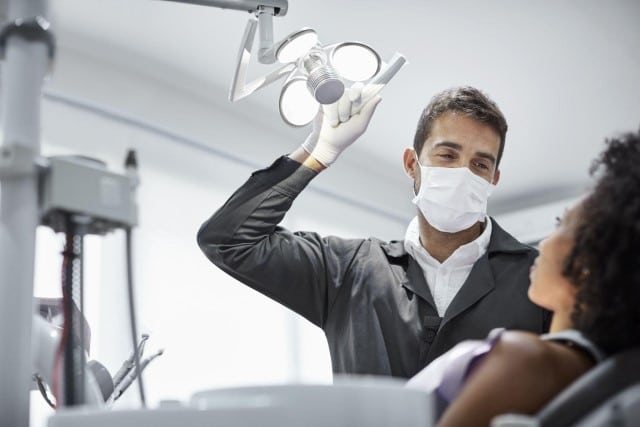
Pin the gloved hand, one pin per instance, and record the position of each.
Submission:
(312, 139)
(339, 124)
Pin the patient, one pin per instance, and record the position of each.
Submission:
(588, 274)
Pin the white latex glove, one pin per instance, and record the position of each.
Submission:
(312, 139)
(339, 124)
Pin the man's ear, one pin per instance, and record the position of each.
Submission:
(496, 177)
(409, 162)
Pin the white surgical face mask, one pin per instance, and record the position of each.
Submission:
(452, 199)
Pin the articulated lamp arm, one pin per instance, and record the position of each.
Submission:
(239, 87)
(279, 6)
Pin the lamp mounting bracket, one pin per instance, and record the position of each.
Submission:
(279, 7)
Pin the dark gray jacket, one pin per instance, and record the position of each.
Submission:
(370, 297)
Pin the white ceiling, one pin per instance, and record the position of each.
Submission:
(565, 73)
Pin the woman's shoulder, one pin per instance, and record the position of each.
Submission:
(520, 374)
(529, 355)
(523, 348)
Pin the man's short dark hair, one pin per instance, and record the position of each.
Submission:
(467, 101)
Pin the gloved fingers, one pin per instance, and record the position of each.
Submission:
(330, 112)
(344, 108)
(355, 92)
(370, 90)
(316, 124)
(312, 139)
(367, 93)
(370, 107)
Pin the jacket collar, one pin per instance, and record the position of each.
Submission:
(414, 281)
(481, 280)
(500, 241)
(412, 277)
(394, 249)
(479, 283)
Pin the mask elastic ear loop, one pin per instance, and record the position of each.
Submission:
(417, 159)
(419, 165)
(415, 193)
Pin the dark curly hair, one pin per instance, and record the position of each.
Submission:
(465, 100)
(605, 260)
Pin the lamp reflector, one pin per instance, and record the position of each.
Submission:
(297, 106)
(323, 81)
(325, 85)
(355, 61)
(296, 45)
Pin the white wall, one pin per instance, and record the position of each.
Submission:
(533, 224)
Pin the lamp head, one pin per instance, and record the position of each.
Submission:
(302, 48)
(322, 80)
(316, 74)
(355, 61)
(297, 106)
(296, 45)
(326, 71)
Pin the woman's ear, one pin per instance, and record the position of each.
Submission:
(409, 162)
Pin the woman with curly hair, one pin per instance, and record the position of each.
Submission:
(588, 275)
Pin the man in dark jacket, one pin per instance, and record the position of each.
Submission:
(388, 308)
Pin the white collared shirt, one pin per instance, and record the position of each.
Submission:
(445, 279)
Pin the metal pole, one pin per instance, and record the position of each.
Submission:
(24, 68)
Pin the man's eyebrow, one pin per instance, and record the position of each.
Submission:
(449, 144)
(487, 156)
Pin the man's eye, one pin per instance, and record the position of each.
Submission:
(446, 156)
(482, 166)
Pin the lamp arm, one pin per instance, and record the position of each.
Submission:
(280, 6)
(239, 87)
(266, 53)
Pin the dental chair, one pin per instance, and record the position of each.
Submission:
(607, 395)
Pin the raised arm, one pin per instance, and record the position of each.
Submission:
(301, 270)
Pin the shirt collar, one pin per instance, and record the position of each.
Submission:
(465, 255)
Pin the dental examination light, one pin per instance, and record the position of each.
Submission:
(315, 74)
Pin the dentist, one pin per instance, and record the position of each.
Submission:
(388, 308)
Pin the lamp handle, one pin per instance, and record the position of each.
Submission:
(380, 80)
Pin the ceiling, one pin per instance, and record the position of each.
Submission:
(565, 73)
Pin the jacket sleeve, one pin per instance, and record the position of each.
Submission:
(301, 270)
